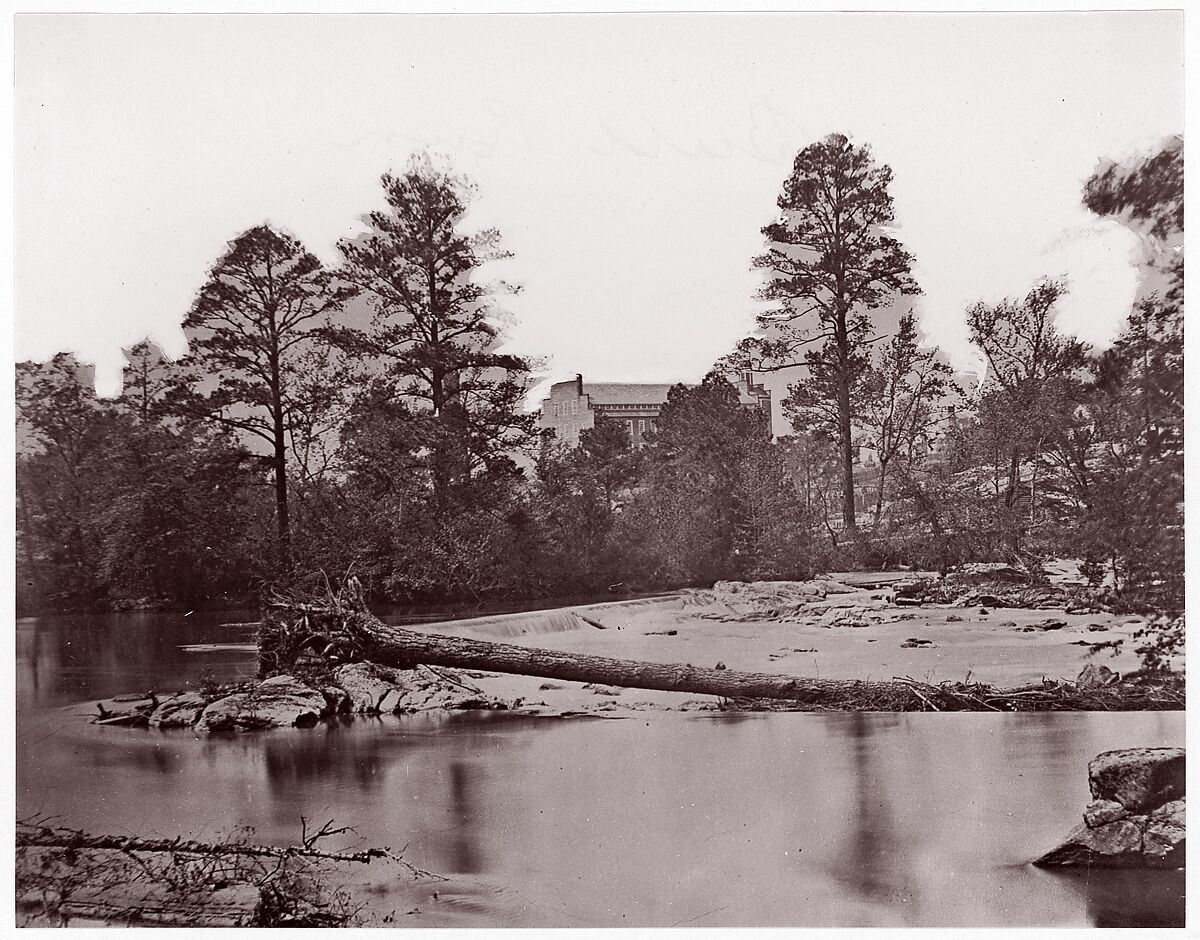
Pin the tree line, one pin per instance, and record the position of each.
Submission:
(363, 417)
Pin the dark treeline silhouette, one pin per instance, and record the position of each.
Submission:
(363, 417)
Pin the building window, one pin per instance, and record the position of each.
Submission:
(630, 426)
(641, 425)
(575, 407)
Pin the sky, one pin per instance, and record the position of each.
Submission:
(629, 161)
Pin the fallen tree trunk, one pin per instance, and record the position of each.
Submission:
(342, 629)
(395, 646)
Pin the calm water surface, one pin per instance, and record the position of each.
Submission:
(655, 820)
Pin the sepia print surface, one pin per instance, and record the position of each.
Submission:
(641, 470)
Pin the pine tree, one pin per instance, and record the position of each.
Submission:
(266, 304)
(831, 260)
(434, 331)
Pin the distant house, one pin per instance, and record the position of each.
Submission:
(572, 406)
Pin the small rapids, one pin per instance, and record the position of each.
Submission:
(539, 622)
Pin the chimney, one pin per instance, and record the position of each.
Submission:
(579, 384)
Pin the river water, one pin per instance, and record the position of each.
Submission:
(660, 819)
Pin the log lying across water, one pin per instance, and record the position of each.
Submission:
(343, 629)
(395, 646)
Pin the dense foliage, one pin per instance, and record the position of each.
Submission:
(364, 417)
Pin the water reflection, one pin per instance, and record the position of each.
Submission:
(866, 864)
(771, 820)
(1117, 898)
(326, 756)
(464, 836)
(34, 658)
(735, 718)
(784, 820)
(88, 656)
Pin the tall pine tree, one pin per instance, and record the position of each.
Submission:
(830, 261)
(266, 303)
(434, 329)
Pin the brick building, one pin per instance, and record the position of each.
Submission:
(572, 406)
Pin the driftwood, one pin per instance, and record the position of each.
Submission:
(64, 875)
(156, 915)
(340, 628)
(46, 837)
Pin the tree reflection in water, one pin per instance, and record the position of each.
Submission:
(413, 776)
(867, 863)
(464, 840)
(328, 754)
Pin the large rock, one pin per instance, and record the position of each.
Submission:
(423, 688)
(1140, 779)
(366, 683)
(375, 689)
(1133, 842)
(280, 701)
(844, 617)
(1113, 845)
(1096, 676)
(911, 589)
(181, 711)
(1137, 818)
(1164, 838)
(1100, 812)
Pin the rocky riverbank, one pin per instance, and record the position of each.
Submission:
(290, 701)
